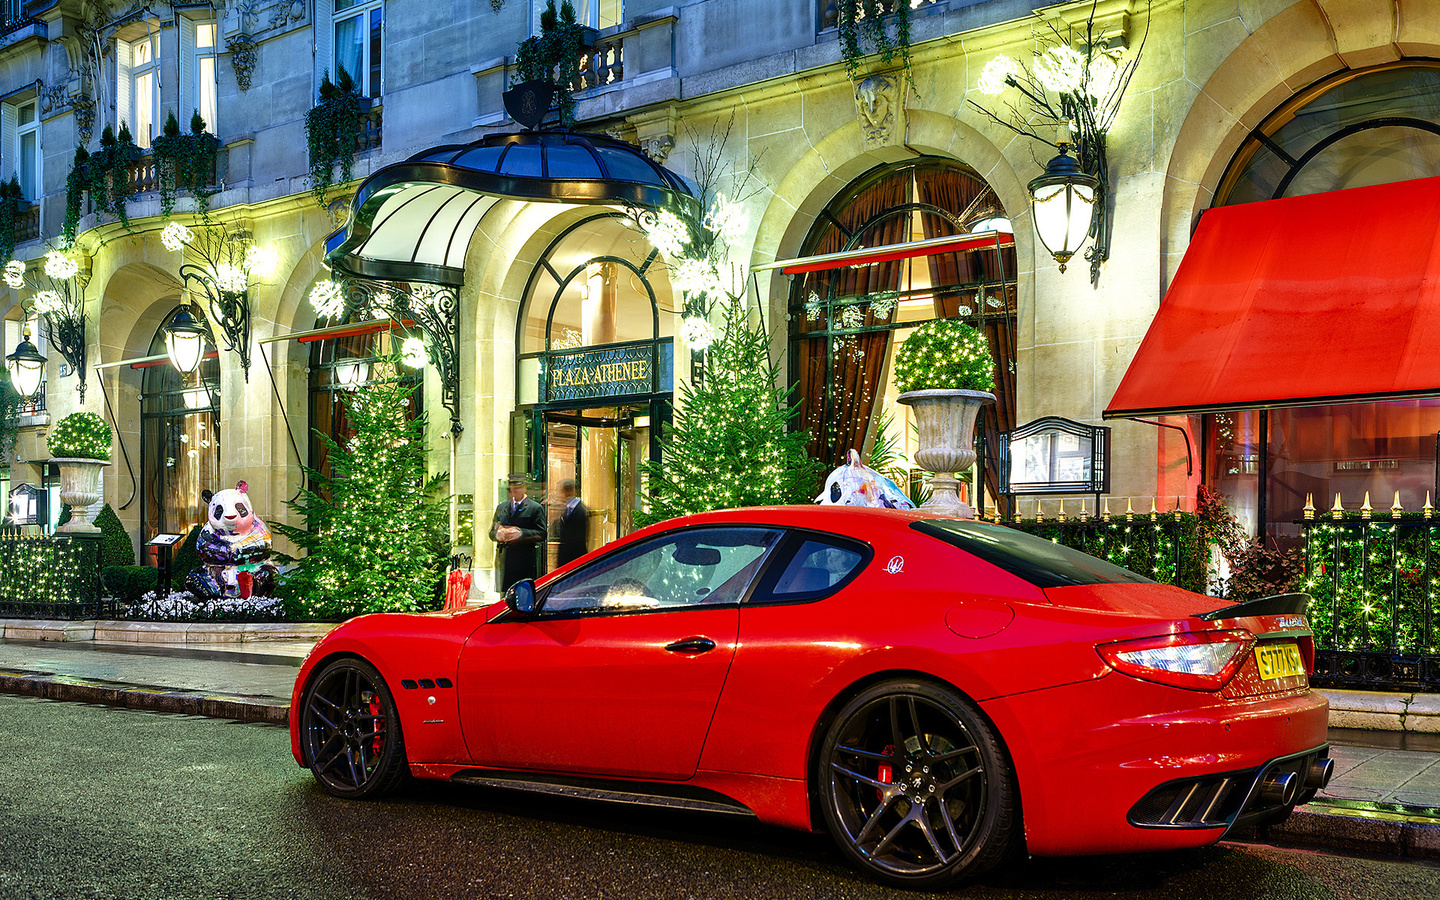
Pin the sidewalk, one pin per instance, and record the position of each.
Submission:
(1384, 797)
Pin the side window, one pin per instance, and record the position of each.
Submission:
(695, 567)
(815, 568)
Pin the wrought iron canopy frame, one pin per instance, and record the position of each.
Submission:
(435, 310)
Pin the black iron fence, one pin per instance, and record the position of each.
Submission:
(50, 576)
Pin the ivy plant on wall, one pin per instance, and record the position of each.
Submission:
(76, 184)
(108, 173)
(10, 201)
(331, 128)
(553, 55)
(863, 32)
(185, 162)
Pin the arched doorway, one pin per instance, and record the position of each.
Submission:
(179, 439)
(595, 372)
(845, 323)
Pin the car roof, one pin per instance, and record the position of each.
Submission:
(839, 519)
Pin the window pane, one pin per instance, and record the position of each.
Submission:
(143, 51)
(376, 31)
(205, 35)
(610, 13)
(1035, 559)
(205, 93)
(346, 4)
(709, 567)
(144, 109)
(817, 567)
(27, 165)
(349, 47)
(26, 114)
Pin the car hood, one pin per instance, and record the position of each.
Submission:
(1159, 601)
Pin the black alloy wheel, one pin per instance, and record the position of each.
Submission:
(349, 731)
(916, 787)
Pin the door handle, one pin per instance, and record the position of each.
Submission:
(692, 645)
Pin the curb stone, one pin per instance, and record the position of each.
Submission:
(155, 699)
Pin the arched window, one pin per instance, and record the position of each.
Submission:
(846, 323)
(1354, 129)
(339, 365)
(179, 440)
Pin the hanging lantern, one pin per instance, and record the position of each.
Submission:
(26, 367)
(352, 373)
(185, 341)
(1064, 203)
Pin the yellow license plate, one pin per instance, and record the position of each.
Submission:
(1279, 660)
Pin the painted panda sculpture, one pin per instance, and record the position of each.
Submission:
(233, 544)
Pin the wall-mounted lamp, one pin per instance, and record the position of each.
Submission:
(228, 264)
(1064, 203)
(26, 367)
(185, 340)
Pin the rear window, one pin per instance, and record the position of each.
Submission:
(1042, 563)
(816, 567)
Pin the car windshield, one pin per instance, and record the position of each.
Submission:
(1041, 562)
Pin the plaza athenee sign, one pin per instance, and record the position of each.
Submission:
(615, 371)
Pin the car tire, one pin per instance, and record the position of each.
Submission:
(916, 787)
(350, 732)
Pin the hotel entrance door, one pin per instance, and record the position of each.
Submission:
(603, 449)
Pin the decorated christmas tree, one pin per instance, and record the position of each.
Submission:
(375, 536)
(730, 444)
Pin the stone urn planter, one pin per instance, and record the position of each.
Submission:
(946, 422)
(79, 488)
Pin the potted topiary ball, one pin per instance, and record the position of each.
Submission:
(80, 448)
(945, 373)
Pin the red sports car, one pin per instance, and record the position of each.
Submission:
(931, 691)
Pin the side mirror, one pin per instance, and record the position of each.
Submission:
(521, 597)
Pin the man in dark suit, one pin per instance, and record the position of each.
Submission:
(574, 524)
(519, 525)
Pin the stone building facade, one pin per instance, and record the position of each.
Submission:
(669, 77)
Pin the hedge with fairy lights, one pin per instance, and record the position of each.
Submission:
(1372, 581)
(944, 354)
(45, 570)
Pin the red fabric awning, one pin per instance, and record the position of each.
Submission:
(869, 256)
(1326, 298)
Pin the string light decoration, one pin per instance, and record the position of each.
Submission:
(377, 529)
(56, 576)
(730, 444)
(944, 353)
(80, 435)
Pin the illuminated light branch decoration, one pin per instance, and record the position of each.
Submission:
(1068, 97)
(225, 263)
(697, 251)
(433, 309)
(59, 301)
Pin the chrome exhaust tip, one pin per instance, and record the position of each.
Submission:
(1319, 773)
(1280, 788)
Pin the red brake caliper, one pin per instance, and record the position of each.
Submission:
(885, 773)
(379, 740)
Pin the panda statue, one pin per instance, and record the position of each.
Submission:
(233, 545)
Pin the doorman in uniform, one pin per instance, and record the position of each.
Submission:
(518, 527)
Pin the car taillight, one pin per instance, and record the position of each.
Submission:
(1199, 660)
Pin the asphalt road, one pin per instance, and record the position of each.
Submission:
(101, 802)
